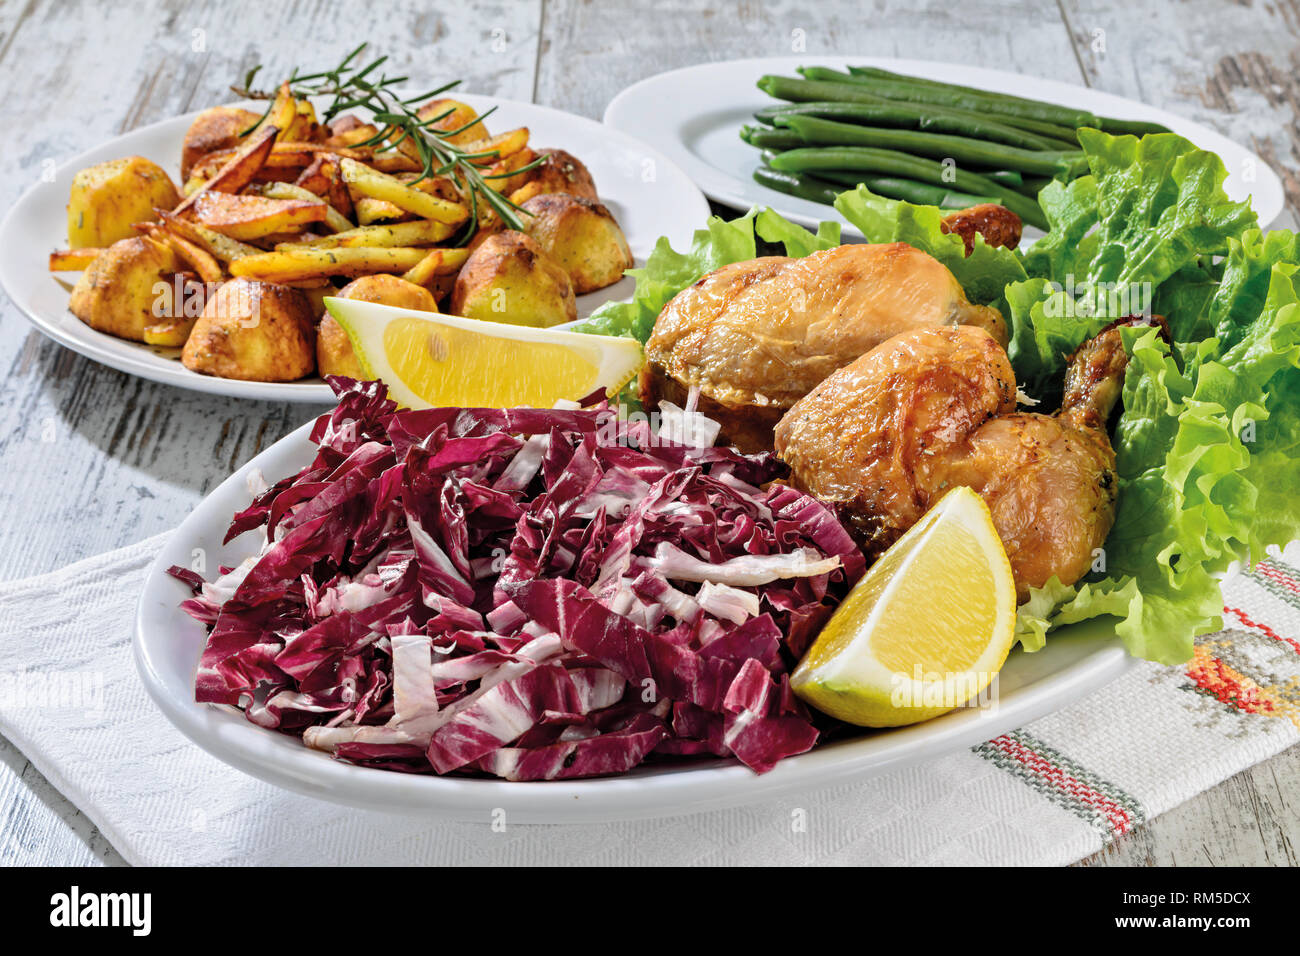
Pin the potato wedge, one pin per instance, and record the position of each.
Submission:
(504, 177)
(73, 260)
(221, 247)
(348, 131)
(107, 199)
(308, 263)
(333, 218)
(418, 232)
(128, 287)
(510, 278)
(248, 217)
(324, 178)
(494, 148)
(237, 171)
(582, 236)
(218, 128)
(253, 331)
(373, 184)
(460, 119)
(282, 113)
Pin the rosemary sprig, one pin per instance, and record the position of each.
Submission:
(359, 87)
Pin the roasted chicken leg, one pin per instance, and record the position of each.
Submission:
(757, 336)
(884, 438)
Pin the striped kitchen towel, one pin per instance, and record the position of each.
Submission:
(1051, 792)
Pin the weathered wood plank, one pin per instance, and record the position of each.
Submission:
(591, 51)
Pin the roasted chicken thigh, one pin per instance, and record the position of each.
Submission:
(887, 435)
(757, 336)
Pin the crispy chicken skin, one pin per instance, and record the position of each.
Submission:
(997, 224)
(885, 437)
(757, 336)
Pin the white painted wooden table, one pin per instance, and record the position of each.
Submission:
(129, 458)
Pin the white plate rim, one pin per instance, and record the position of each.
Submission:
(286, 762)
(629, 109)
(690, 210)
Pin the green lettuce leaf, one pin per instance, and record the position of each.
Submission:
(1208, 441)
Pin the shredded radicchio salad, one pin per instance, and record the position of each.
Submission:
(523, 593)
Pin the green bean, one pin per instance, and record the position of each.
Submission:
(909, 190)
(893, 163)
(913, 116)
(961, 97)
(766, 138)
(1007, 177)
(816, 131)
(1106, 123)
(804, 187)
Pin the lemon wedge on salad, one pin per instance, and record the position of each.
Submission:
(925, 630)
(429, 360)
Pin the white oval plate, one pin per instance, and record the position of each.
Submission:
(647, 193)
(695, 114)
(168, 644)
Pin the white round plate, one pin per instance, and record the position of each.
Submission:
(647, 193)
(168, 644)
(694, 115)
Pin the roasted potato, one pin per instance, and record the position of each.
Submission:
(127, 287)
(109, 198)
(334, 355)
(582, 236)
(510, 278)
(455, 116)
(212, 130)
(253, 331)
(560, 172)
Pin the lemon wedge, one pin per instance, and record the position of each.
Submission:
(925, 630)
(429, 360)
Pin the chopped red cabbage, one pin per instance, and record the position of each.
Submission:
(532, 594)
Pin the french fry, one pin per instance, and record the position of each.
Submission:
(237, 172)
(282, 114)
(498, 147)
(249, 217)
(333, 218)
(202, 261)
(418, 232)
(376, 185)
(221, 247)
(72, 260)
(370, 211)
(438, 262)
(294, 265)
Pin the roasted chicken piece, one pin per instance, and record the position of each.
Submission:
(757, 336)
(997, 224)
(884, 437)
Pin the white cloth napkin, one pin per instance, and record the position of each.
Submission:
(1049, 793)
